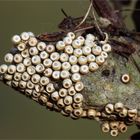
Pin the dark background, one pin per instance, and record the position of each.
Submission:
(20, 117)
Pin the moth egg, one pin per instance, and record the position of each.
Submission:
(91, 113)
(76, 43)
(122, 127)
(123, 113)
(24, 36)
(60, 103)
(84, 114)
(25, 53)
(44, 55)
(93, 66)
(100, 60)
(90, 37)
(47, 63)
(68, 49)
(104, 54)
(75, 68)
(90, 58)
(106, 48)
(68, 109)
(49, 105)
(105, 127)
(76, 77)
(78, 112)
(55, 96)
(125, 78)
(132, 112)
(55, 56)
(44, 80)
(118, 107)
(64, 74)
(35, 78)
(62, 92)
(38, 87)
(28, 92)
(71, 35)
(64, 57)
(8, 77)
(16, 39)
(109, 108)
(73, 59)
(30, 85)
(25, 76)
(50, 48)
(67, 83)
(86, 50)
(3, 68)
(21, 46)
(17, 76)
(27, 61)
(15, 84)
(18, 58)
(77, 105)
(71, 91)
(50, 88)
(32, 41)
(89, 43)
(66, 66)
(20, 68)
(40, 68)
(11, 69)
(73, 116)
(31, 34)
(41, 46)
(31, 70)
(79, 86)
(22, 84)
(60, 45)
(48, 72)
(56, 75)
(67, 40)
(114, 124)
(82, 60)
(68, 100)
(33, 51)
(8, 58)
(43, 99)
(78, 52)
(36, 60)
(78, 98)
(56, 65)
(96, 50)
(114, 132)
(82, 39)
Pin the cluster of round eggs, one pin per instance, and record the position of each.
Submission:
(121, 118)
(50, 73)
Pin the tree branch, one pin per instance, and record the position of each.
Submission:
(104, 9)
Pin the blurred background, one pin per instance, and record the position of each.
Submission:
(20, 117)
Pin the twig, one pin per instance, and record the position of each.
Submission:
(96, 24)
(104, 9)
(62, 10)
(129, 10)
(85, 17)
(82, 29)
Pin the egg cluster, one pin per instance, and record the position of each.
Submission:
(121, 118)
(50, 73)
